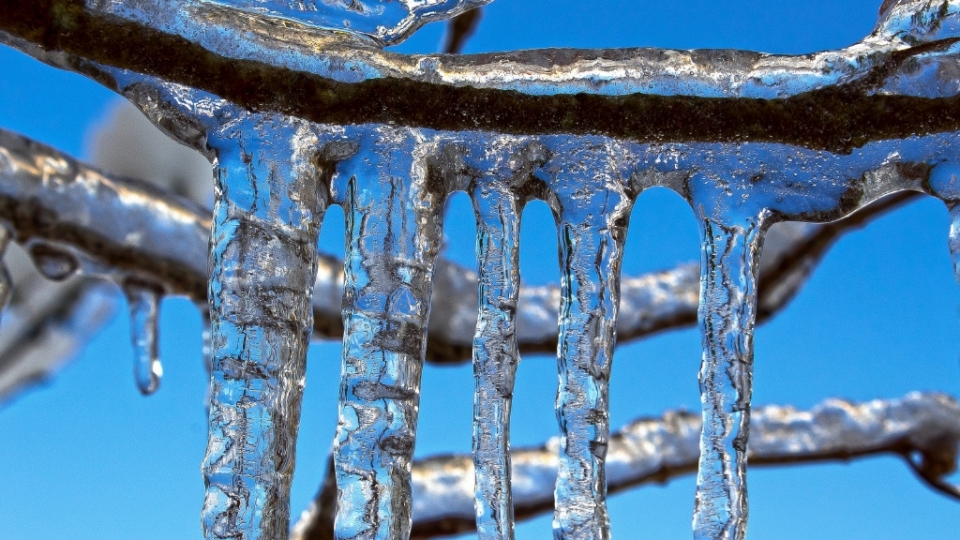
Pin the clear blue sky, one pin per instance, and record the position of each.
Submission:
(86, 457)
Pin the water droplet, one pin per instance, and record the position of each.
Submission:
(55, 264)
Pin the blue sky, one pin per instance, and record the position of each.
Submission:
(86, 456)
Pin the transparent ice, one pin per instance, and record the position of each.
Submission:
(144, 303)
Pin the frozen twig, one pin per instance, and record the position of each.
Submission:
(923, 428)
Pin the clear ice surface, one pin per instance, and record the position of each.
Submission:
(393, 231)
(263, 265)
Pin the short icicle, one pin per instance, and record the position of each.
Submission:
(592, 227)
(728, 295)
(263, 262)
(144, 302)
(954, 240)
(495, 355)
(944, 183)
(392, 239)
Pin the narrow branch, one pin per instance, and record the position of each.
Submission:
(922, 427)
(50, 200)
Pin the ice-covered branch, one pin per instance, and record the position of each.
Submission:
(923, 428)
(72, 218)
(49, 199)
(893, 84)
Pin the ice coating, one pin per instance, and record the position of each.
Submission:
(592, 208)
(495, 352)
(263, 265)
(393, 230)
(384, 20)
(144, 303)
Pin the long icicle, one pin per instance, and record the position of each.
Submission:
(263, 261)
(495, 356)
(728, 295)
(592, 229)
(393, 236)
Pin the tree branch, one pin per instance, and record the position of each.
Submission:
(923, 428)
(835, 101)
(55, 205)
(460, 29)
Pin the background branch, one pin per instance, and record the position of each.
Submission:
(60, 208)
(923, 428)
(460, 28)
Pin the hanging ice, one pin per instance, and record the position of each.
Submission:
(945, 183)
(496, 206)
(393, 219)
(144, 304)
(263, 264)
(592, 206)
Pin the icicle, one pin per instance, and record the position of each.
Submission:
(728, 289)
(954, 241)
(944, 183)
(392, 238)
(263, 253)
(592, 227)
(495, 356)
(144, 302)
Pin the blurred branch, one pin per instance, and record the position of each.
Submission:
(923, 428)
(460, 29)
(56, 206)
(46, 323)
